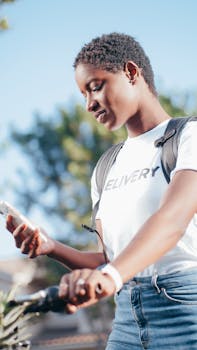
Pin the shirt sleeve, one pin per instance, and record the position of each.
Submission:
(187, 150)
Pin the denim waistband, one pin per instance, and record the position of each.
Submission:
(156, 278)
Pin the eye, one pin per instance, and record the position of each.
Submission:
(96, 86)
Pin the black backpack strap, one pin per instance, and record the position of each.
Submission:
(103, 166)
(169, 143)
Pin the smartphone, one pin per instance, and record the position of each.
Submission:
(7, 209)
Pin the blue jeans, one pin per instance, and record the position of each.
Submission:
(156, 313)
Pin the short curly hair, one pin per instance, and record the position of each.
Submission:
(111, 52)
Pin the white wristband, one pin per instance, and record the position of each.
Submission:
(114, 274)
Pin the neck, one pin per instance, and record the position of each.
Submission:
(150, 114)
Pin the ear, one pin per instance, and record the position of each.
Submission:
(132, 71)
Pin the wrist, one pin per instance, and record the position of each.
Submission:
(51, 247)
(114, 274)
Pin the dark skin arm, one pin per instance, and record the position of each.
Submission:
(157, 236)
(31, 243)
(75, 259)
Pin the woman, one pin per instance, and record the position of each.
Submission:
(148, 226)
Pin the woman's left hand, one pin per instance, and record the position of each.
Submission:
(82, 288)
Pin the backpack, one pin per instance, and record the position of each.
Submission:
(169, 143)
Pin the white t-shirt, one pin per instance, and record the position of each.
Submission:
(133, 191)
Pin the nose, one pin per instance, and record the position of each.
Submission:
(91, 105)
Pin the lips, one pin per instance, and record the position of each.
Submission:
(100, 116)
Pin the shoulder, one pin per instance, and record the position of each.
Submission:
(186, 158)
(189, 132)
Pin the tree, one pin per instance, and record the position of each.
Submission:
(3, 21)
(171, 108)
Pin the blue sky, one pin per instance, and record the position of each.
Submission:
(37, 53)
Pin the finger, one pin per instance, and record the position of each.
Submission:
(34, 244)
(9, 224)
(70, 308)
(72, 280)
(80, 288)
(30, 244)
(27, 244)
(77, 292)
(94, 288)
(99, 285)
(19, 235)
(32, 254)
(86, 286)
(33, 250)
(63, 288)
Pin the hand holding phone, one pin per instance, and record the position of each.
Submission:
(18, 219)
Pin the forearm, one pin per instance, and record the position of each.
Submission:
(75, 259)
(156, 237)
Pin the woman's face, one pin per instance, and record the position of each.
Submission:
(110, 97)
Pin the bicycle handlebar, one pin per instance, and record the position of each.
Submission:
(42, 301)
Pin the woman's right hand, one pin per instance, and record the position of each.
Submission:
(31, 242)
(84, 287)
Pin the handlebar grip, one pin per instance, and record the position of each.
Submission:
(44, 300)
